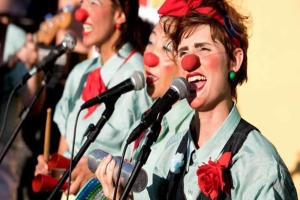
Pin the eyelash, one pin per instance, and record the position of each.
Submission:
(182, 53)
(168, 47)
(202, 49)
(95, 2)
(92, 2)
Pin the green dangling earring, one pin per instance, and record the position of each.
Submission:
(232, 76)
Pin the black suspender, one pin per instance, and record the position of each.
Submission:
(173, 186)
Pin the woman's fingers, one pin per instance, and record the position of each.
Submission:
(42, 166)
(104, 173)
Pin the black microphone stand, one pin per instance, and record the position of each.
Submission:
(145, 151)
(24, 113)
(92, 133)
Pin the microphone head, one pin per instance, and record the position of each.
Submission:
(69, 42)
(138, 80)
(181, 86)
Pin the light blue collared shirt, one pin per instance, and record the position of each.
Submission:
(15, 39)
(258, 172)
(175, 121)
(128, 108)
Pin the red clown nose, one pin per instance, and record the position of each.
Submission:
(190, 62)
(150, 59)
(81, 15)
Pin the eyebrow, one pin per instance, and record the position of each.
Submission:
(200, 44)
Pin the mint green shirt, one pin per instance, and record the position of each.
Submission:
(128, 108)
(175, 121)
(15, 39)
(258, 172)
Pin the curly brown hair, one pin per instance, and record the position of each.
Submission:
(177, 28)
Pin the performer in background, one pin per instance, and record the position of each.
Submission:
(15, 43)
(76, 29)
(221, 156)
(160, 71)
(112, 27)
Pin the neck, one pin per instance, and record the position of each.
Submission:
(107, 49)
(208, 122)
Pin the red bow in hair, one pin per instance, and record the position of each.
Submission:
(180, 8)
(94, 86)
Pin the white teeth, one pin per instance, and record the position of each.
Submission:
(196, 78)
(87, 28)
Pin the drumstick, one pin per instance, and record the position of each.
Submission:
(47, 135)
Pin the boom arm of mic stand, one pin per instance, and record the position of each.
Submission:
(24, 115)
(91, 137)
(144, 153)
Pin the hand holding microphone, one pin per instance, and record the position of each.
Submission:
(95, 158)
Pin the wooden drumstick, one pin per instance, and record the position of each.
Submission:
(47, 135)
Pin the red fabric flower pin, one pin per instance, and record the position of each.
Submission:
(211, 177)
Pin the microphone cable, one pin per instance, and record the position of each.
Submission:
(119, 171)
(4, 120)
(72, 153)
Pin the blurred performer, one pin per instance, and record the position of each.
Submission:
(75, 28)
(14, 44)
(160, 71)
(111, 26)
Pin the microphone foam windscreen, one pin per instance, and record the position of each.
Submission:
(69, 41)
(181, 85)
(138, 80)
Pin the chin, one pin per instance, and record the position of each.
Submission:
(88, 43)
(195, 103)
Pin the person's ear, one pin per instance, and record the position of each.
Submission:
(120, 17)
(236, 64)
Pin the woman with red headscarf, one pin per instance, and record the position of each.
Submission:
(221, 156)
(110, 25)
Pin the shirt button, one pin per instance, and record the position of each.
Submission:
(190, 192)
(194, 156)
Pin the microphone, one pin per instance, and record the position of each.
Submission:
(178, 90)
(135, 82)
(96, 156)
(68, 44)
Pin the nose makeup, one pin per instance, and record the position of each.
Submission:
(150, 59)
(81, 15)
(190, 62)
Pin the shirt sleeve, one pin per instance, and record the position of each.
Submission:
(62, 107)
(259, 173)
(12, 45)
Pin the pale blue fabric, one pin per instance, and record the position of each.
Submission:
(11, 165)
(176, 120)
(128, 108)
(258, 172)
(12, 45)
